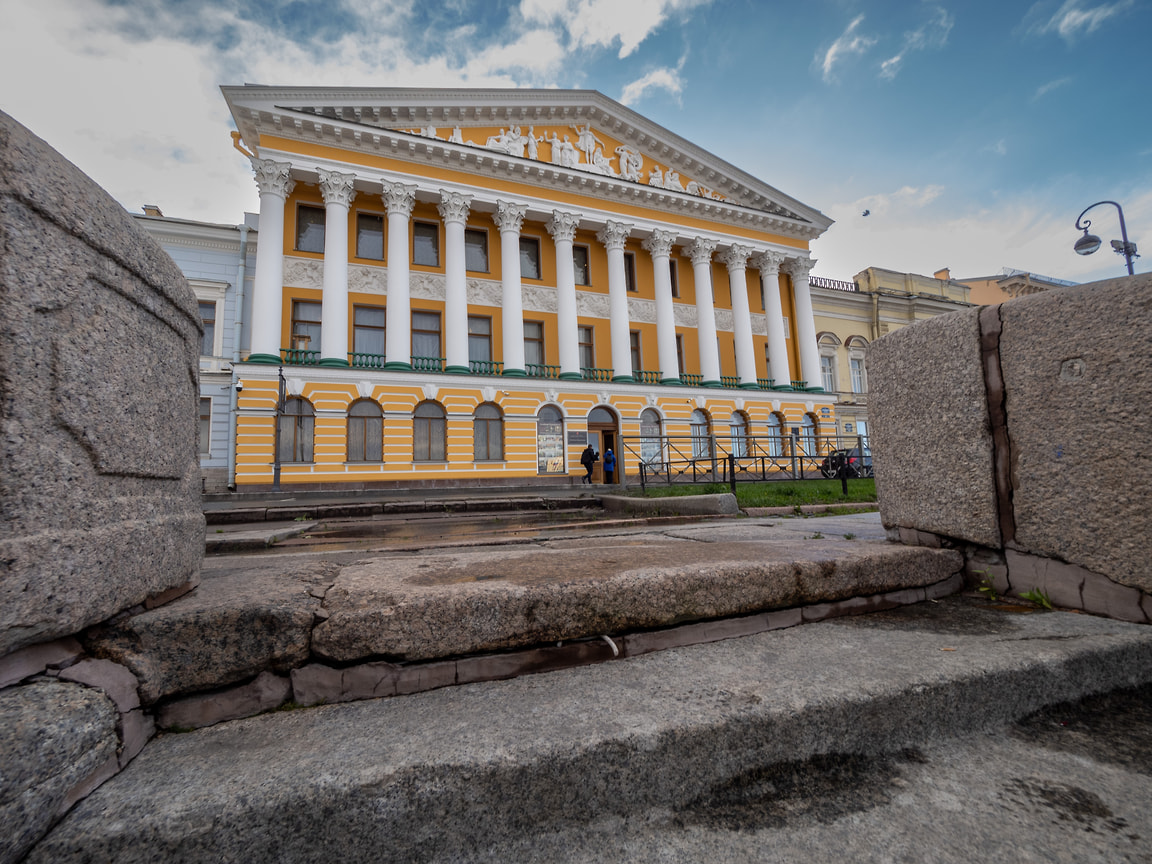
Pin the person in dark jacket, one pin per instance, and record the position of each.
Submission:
(609, 465)
(588, 459)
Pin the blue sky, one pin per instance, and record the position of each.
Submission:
(974, 133)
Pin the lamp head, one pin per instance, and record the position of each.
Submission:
(1087, 244)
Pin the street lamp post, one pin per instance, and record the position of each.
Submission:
(1089, 243)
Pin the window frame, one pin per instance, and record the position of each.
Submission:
(303, 429)
(299, 235)
(674, 275)
(487, 424)
(439, 355)
(377, 439)
(435, 226)
(562, 450)
(294, 320)
(589, 346)
(383, 237)
(205, 428)
(533, 243)
(482, 232)
(587, 280)
(487, 337)
(630, 283)
(541, 342)
(436, 439)
(635, 349)
(380, 328)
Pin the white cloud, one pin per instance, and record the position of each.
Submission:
(1000, 148)
(848, 44)
(601, 23)
(931, 34)
(664, 78)
(1045, 89)
(1074, 18)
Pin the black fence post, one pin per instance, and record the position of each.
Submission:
(732, 472)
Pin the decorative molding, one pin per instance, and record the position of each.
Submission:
(809, 407)
(776, 405)
(303, 273)
(613, 234)
(365, 279)
(426, 286)
(294, 386)
(538, 298)
(365, 389)
(454, 206)
(272, 177)
(604, 400)
(485, 292)
(592, 305)
(739, 403)
(799, 268)
(398, 197)
(641, 311)
(562, 226)
(724, 320)
(768, 263)
(337, 188)
(430, 391)
(552, 394)
(509, 216)
(660, 243)
(735, 257)
(488, 394)
(700, 251)
(685, 315)
(701, 401)
(652, 399)
(759, 324)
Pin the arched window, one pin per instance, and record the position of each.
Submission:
(599, 414)
(550, 440)
(297, 431)
(829, 379)
(701, 435)
(487, 433)
(365, 431)
(738, 426)
(651, 444)
(429, 433)
(857, 346)
(775, 435)
(808, 434)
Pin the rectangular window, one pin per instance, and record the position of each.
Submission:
(426, 244)
(370, 236)
(309, 229)
(476, 250)
(479, 339)
(368, 329)
(828, 374)
(768, 364)
(630, 270)
(675, 280)
(305, 326)
(680, 352)
(208, 319)
(856, 368)
(426, 334)
(580, 265)
(205, 427)
(529, 258)
(634, 345)
(587, 349)
(534, 342)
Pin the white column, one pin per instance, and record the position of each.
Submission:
(338, 195)
(399, 201)
(736, 259)
(268, 282)
(508, 218)
(798, 269)
(700, 253)
(454, 211)
(659, 245)
(562, 227)
(768, 264)
(613, 235)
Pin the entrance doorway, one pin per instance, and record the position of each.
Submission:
(603, 435)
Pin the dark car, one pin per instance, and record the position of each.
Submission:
(857, 467)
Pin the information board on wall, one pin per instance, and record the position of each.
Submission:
(578, 439)
(550, 448)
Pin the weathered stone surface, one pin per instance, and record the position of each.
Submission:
(1102, 596)
(98, 374)
(426, 606)
(53, 737)
(36, 658)
(117, 682)
(723, 504)
(268, 691)
(1060, 581)
(227, 631)
(931, 444)
(449, 774)
(136, 729)
(1076, 371)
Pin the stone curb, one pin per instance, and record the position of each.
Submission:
(723, 504)
(431, 505)
(807, 509)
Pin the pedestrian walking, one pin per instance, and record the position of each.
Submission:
(609, 465)
(588, 459)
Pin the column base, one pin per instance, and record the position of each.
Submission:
(515, 373)
(747, 386)
(397, 366)
(335, 362)
(623, 379)
(571, 376)
(711, 384)
(670, 382)
(271, 359)
(457, 370)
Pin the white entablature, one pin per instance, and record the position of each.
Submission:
(428, 126)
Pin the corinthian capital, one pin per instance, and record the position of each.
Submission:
(799, 268)
(454, 206)
(272, 177)
(613, 234)
(509, 216)
(736, 256)
(660, 243)
(398, 197)
(562, 226)
(700, 251)
(768, 263)
(337, 188)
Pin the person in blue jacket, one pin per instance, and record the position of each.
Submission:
(609, 466)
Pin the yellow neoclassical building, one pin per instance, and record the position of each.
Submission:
(470, 286)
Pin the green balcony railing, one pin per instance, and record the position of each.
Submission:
(427, 364)
(647, 376)
(766, 383)
(592, 374)
(485, 367)
(799, 385)
(691, 380)
(541, 370)
(361, 360)
(300, 357)
(729, 381)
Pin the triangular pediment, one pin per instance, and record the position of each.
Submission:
(578, 133)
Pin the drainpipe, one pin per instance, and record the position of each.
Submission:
(233, 396)
(875, 316)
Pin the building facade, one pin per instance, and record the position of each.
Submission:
(467, 286)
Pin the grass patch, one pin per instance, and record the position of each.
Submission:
(775, 493)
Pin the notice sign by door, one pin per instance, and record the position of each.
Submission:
(550, 448)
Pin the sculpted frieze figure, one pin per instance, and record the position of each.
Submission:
(672, 181)
(586, 141)
(656, 177)
(457, 137)
(631, 162)
(564, 153)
